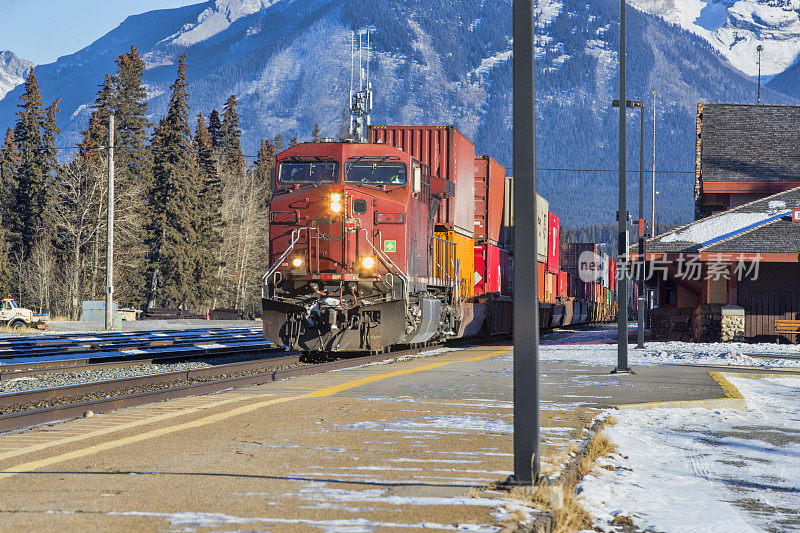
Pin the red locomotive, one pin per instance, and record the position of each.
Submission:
(384, 243)
(351, 228)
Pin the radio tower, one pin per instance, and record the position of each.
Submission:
(360, 87)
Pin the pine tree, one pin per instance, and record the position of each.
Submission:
(230, 138)
(174, 201)
(211, 205)
(215, 128)
(51, 131)
(133, 175)
(278, 142)
(265, 163)
(315, 134)
(9, 163)
(32, 174)
(96, 135)
(130, 110)
(5, 266)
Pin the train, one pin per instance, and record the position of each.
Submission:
(408, 240)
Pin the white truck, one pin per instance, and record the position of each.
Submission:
(17, 317)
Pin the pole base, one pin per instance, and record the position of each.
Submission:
(622, 371)
(512, 481)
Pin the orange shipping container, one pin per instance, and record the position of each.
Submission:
(451, 156)
(490, 179)
(540, 281)
(458, 260)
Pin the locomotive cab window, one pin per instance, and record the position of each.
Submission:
(294, 172)
(376, 172)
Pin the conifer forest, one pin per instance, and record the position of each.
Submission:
(191, 210)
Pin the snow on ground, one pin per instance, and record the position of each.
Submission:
(710, 470)
(598, 347)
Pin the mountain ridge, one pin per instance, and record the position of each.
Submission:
(288, 63)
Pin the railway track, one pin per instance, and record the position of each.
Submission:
(45, 405)
(65, 350)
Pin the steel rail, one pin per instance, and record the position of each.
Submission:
(16, 420)
(18, 370)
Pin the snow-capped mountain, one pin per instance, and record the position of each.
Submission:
(288, 62)
(12, 71)
(735, 28)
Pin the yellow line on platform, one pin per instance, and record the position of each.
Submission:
(730, 390)
(210, 419)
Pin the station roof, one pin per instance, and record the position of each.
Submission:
(764, 226)
(750, 142)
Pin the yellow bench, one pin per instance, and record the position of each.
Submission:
(790, 327)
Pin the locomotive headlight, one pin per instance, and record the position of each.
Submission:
(336, 207)
(336, 197)
(297, 262)
(368, 262)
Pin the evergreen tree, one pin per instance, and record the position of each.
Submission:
(133, 174)
(265, 163)
(174, 201)
(96, 135)
(130, 110)
(315, 134)
(278, 142)
(215, 128)
(293, 142)
(9, 162)
(211, 205)
(5, 266)
(32, 175)
(230, 138)
(51, 131)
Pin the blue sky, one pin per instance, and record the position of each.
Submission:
(43, 30)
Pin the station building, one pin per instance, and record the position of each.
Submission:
(734, 271)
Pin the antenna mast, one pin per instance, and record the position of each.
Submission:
(360, 100)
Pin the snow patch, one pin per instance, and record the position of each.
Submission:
(215, 20)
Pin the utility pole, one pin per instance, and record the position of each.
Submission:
(632, 104)
(653, 190)
(110, 230)
(642, 231)
(526, 316)
(622, 214)
(759, 49)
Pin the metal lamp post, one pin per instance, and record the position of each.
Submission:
(526, 324)
(759, 49)
(633, 104)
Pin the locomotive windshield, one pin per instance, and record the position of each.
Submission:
(308, 171)
(376, 172)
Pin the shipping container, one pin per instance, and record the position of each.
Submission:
(492, 269)
(490, 182)
(550, 287)
(580, 260)
(458, 260)
(540, 281)
(451, 156)
(507, 229)
(554, 243)
(542, 220)
(562, 284)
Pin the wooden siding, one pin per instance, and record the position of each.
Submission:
(775, 295)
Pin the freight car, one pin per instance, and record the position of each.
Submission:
(402, 240)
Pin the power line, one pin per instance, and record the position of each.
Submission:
(250, 156)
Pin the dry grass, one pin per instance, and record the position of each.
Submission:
(570, 515)
(6, 329)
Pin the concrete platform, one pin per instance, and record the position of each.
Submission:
(383, 447)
